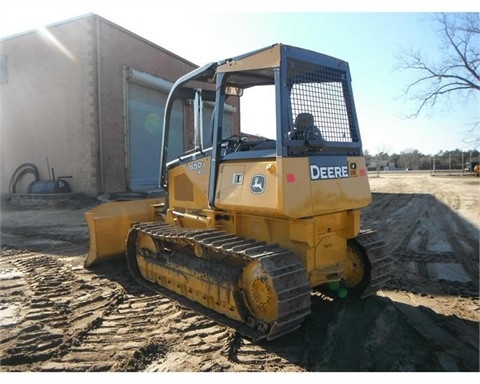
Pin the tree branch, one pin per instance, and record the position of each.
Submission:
(455, 47)
(456, 73)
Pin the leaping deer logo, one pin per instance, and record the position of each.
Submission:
(257, 185)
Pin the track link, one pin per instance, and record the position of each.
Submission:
(287, 273)
(380, 264)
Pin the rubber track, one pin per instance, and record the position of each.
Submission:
(288, 274)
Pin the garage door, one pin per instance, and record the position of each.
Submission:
(145, 109)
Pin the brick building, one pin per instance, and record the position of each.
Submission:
(84, 98)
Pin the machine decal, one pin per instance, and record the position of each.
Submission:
(335, 172)
(237, 178)
(198, 166)
(353, 169)
(257, 184)
(334, 167)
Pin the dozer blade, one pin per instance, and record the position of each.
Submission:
(109, 223)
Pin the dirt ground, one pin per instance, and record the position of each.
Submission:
(57, 316)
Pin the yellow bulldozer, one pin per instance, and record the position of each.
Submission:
(250, 225)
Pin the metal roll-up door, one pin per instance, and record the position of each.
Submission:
(146, 97)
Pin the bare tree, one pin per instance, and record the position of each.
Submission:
(455, 72)
(410, 158)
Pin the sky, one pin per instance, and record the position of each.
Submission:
(367, 34)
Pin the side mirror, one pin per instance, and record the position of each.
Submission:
(233, 91)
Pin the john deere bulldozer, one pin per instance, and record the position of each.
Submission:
(250, 225)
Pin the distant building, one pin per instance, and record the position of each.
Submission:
(84, 98)
(380, 165)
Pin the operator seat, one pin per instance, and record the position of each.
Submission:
(303, 120)
(304, 128)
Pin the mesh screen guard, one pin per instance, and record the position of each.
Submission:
(324, 93)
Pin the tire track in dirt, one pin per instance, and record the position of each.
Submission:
(123, 331)
(402, 208)
(76, 320)
(455, 230)
(453, 342)
(205, 345)
(424, 232)
(396, 219)
(190, 342)
(285, 354)
(55, 303)
(421, 234)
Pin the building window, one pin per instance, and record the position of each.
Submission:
(3, 69)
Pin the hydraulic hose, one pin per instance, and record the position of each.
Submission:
(21, 171)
